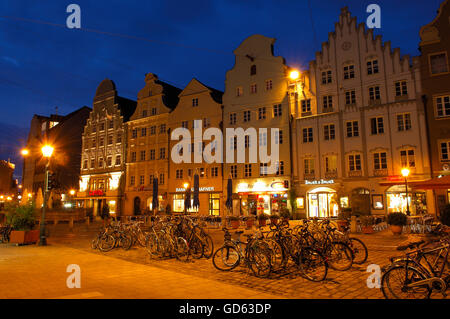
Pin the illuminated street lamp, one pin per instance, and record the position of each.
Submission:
(294, 75)
(405, 173)
(25, 152)
(72, 192)
(47, 152)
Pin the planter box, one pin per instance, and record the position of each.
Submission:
(24, 237)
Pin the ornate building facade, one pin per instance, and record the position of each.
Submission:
(103, 156)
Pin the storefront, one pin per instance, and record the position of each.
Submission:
(209, 201)
(398, 202)
(260, 198)
(322, 202)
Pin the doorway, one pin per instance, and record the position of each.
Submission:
(137, 206)
(322, 203)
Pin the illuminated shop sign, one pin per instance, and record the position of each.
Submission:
(201, 189)
(320, 182)
(98, 192)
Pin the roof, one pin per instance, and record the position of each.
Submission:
(126, 107)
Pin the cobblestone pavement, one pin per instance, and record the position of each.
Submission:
(175, 279)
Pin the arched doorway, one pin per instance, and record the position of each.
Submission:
(137, 205)
(322, 202)
(360, 201)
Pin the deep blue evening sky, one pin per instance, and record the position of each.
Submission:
(43, 66)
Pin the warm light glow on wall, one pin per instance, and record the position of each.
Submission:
(114, 180)
(84, 183)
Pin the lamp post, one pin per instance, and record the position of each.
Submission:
(47, 152)
(405, 173)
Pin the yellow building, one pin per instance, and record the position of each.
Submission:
(197, 102)
(256, 97)
(148, 146)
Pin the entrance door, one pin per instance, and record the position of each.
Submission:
(137, 206)
(322, 203)
(360, 200)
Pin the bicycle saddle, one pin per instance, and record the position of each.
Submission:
(414, 244)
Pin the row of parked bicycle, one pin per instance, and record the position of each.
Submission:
(311, 247)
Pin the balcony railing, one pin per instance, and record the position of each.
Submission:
(331, 174)
(309, 176)
(380, 172)
(354, 173)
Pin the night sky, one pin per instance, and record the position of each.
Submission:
(43, 66)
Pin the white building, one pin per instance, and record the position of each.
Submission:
(359, 121)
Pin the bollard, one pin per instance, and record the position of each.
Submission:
(55, 222)
(353, 224)
(71, 224)
(88, 220)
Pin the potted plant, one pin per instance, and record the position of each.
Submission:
(250, 221)
(343, 218)
(367, 224)
(234, 220)
(262, 219)
(22, 221)
(274, 219)
(396, 221)
(285, 214)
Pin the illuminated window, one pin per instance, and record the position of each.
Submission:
(408, 158)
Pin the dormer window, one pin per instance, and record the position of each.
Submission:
(253, 70)
(195, 102)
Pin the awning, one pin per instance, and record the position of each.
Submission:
(435, 183)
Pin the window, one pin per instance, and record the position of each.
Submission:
(308, 165)
(144, 131)
(268, 85)
(214, 204)
(189, 172)
(162, 128)
(306, 106)
(92, 163)
(404, 121)
(438, 63)
(134, 133)
(445, 146)
(232, 118)
(280, 168)
(132, 180)
(401, 88)
(443, 106)
(352, 129)
(263, 139)
(248, 170)
(206, 122)
(102, 126)
(376, 125)
(118, 160)
(85, 164)
(234, 171)
(354, 162)
(277, 110)
(408, 158)
(328, 102)
(161, 179)
(110, 139)
(100, 162)
(379, 161)
(162, 153)
(179, 174)
(111, 124)
(133, 157)
(329, 132)
(144, 113)
(109, 161)
(152, 154)
(94, 142)
(101, 141)
(279, 137)
(349, 72)
(152, 130)
(326, 77)
(374, 93)
(246, 116)
(307, 135)
(350, 97)
(141, 180)
(253, 88)
(142, 157)
(263, 169)
(94, 128)
(154, 111)
(214, 171)
(150, 179)
(331, 164)
(195, 102)
(119, 138)
(239, 91)
(253, 70)
(246, 141)
(372, 67)
(202, 172)
(262, 113)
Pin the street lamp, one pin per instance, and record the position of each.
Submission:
(25, 152)
(72, 192)
(47, 152)
(294, 74)
(405, 173)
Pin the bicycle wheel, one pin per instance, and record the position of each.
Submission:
(278, 258)
(125, 241)
(196, 248)
(208, 246)
(107, 243)
(312, 264)
(359, 250)
(141, 238)
(226, 258)
(397, 279)
(340, 256)
(152, 245)
(94, 243)
(182, 249)
(258, 260)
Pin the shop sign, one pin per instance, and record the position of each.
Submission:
(201, 189)
(97, 192)
(320, 182)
